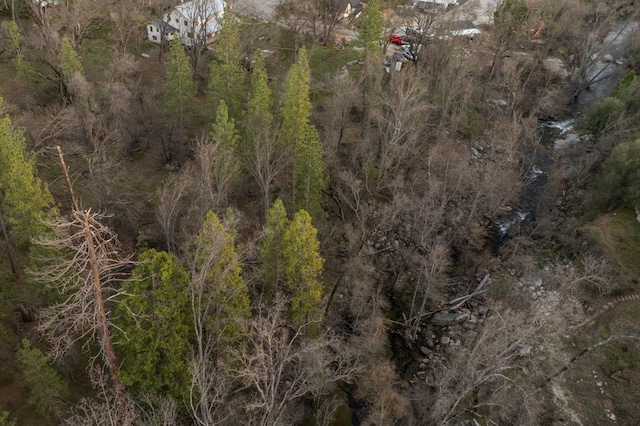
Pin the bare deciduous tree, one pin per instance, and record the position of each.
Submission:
(103, 411)
(399, 114)
(264, 160)
(214, 171)
(281, 366)
(173, 203)
(513, 350)
(298, 17)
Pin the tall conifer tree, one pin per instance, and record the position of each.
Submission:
(310, 179)
(224, 130)
(220, 297)
(154, 317)
(69, 61)
(25, 200)
(371, 28)
(262, 157)
(302, 267)
(272, 240)
(260, 105)
(295, 113)
(296, 105)
(226, 75)
(180, 91)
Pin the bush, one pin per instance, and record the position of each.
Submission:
(603, 116)
(44, 384)
(627, 91)
(620, 176)
(4, 419)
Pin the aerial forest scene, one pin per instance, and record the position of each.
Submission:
(319, 212)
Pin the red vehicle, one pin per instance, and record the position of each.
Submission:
(395, 39)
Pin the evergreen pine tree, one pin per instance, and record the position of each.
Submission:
(262, 156)
(179, 90)
(224, 130)
(226, 75)
(310, 179)
(69, 61)
(44, 384)
(259, 117)
(371, 28)
(24, 70)
(220, 297)
(25, 199)
(270, 251)
(154, 318)
(302, 268)
(295, 113)
(371, 32)
(296, 105)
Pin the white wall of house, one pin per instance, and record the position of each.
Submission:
(154, 32)
(181, 22)
(190, 20)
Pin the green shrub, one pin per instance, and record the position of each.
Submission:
(44, 384)
(603, 116)
(628, 90)
(620, 176)
(472, 124)
(501, 288)
(4, 419)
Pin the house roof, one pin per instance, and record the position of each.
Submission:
(201, 10)
(211, 27)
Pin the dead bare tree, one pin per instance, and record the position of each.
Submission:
(386, 403)
(281, 366)
(103, 411)
(121, 16)
(399, 114)
(336, 118)
(173, 196)
(264, 160)
(330, 13)
(214, 171)
(84, 263)
(498, 370)
(298, 17)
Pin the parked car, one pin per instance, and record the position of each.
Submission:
(395, 39)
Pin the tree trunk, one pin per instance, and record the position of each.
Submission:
(105, 337)
(14, 270)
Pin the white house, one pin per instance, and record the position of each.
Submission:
(155, 29)
(194, 22)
